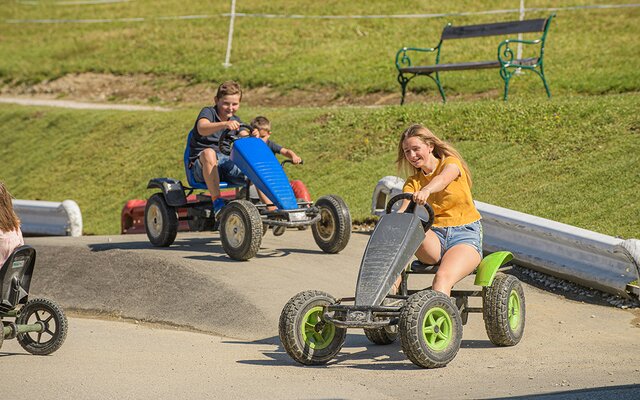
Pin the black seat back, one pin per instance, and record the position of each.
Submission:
(15, 277)
(499, 28)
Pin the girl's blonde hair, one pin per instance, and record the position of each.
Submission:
(8, 219)
(441, 149)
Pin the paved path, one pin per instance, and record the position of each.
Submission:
(568, 347)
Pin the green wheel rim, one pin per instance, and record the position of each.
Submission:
(315, 332)
(514, 310)
(437, 329)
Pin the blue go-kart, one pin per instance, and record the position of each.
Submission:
(313, 323)
(39, 324)
(243, 221)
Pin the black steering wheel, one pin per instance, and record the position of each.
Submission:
(287, 161)
(411, 208)
(229, 136)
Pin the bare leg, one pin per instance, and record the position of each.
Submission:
(427, 253)
(209, 162)
(458, 262)
(265, 200)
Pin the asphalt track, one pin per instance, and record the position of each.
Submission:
(571, 349)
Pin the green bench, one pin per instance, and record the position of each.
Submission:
(506, 60)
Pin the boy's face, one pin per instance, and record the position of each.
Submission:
(264, 134)
(227, 106)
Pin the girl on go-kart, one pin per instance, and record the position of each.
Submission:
(441, 177)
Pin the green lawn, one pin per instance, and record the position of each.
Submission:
(573, 159)
(589, 51)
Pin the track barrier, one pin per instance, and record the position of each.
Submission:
(578, 255)
(48, 218)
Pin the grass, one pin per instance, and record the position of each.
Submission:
(588, 52)
(573, 159)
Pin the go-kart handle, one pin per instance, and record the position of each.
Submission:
(290, 161)
(411, 208)
(229, 136)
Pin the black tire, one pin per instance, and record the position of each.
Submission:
(383, 335)
(504, 310)
(333, 231)
(430, 329)
(160, 221)
(197, 223)
(305, 310)
(240, 229)
(55, 323)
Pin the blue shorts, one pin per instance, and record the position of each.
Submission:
(450, 236)
(228, 171)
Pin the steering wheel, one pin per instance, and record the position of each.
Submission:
(411, 208)
(287, 161)
(229, 136)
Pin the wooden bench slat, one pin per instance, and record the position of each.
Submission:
(427, 69)
(499, 28)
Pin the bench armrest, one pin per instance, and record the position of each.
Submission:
(505, 53)
(404, 60)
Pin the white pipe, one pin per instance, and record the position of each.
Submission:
(230, 39)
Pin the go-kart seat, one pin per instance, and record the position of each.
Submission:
(190, 179)
(15, 277)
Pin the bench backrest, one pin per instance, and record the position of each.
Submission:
(494, 29)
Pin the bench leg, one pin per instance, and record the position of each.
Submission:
(506, 76)
(403, 84)
(437, 80)
(544, 81)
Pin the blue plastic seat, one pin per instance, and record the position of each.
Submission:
(190, 179)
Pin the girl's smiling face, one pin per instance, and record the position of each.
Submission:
(416, 151)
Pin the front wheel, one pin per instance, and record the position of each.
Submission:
(430, 329)
(504, 310)
(333, 231)
(240, 229)
(54, 327)
(160, 221)
(305, 336)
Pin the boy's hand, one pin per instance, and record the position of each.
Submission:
(255, 133)
(296, 159)
(233, 125)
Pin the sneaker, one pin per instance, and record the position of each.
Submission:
(218, 204)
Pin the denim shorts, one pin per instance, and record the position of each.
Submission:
(228, 171)
(450, 236)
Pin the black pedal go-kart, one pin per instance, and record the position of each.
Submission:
(313, 324)
(243, 221)
(39, 324)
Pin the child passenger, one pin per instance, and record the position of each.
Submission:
(442, 178)
(10, 234)
(261, 127)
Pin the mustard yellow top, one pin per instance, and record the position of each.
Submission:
(452, 206)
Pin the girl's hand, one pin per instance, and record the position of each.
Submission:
(420, 197)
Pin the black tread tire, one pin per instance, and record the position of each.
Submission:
(333, 231)
(240, 217)
(57, 336)
(290, 332)
(382, 336)
(496, 310)
(167, 224)
(411, 323)
(198, 223)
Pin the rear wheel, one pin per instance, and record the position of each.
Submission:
(430, 329)
(54, 327)
(305, 336)
(504, 310)
(333, 231)
(161, 221)
(240, 229)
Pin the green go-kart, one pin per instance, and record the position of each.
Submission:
(313, 324)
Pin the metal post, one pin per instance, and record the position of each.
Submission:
(231, 20)
(519, 52)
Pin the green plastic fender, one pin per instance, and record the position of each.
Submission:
(489, 266)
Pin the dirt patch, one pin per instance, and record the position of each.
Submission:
(150, 89)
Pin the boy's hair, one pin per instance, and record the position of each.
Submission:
(8, 219)
(261, 123)
(228, 88)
